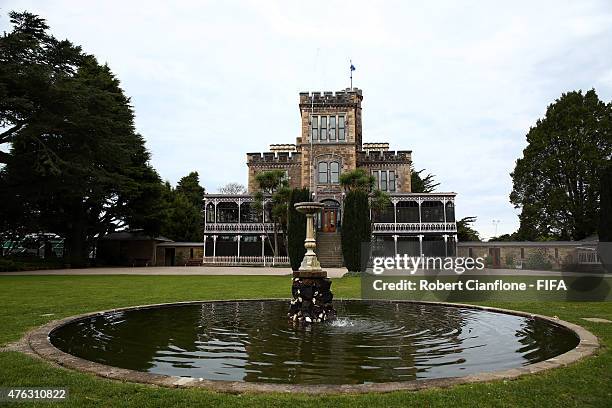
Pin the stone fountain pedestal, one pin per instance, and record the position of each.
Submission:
(311, 288)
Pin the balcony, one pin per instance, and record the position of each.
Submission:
(234, 227)
(404, 227)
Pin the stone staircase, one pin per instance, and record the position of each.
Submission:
(329, 249)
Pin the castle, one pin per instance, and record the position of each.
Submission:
(331, 143)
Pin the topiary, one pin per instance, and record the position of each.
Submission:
(296, 228)
(356, 229)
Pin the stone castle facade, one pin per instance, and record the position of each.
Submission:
(330, 144)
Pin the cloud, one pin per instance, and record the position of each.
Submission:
(459, 83)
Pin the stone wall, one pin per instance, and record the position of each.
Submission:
(182, 254)
(258, 162)
(389, 160)
(511, 254)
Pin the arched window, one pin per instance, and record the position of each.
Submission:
(432, 211)
(450, 211)
(227, 212)
(334, 172)
(407, 211)
(210, 213)
(329, 172)
(248, 213)
(323, 170)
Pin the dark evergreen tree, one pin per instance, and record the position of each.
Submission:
(557, 181)
(296, 227)
(422, 183)
(183, 220)
(605, 216)
(356, 229)
(76, 167)
(191, 188)
(465, 232)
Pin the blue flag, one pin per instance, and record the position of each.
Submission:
(352, 67)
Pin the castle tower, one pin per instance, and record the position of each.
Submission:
(330, 138)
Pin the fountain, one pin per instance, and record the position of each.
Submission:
(248, 345)
(311, 289)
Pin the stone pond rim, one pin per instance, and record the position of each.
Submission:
(37, 342)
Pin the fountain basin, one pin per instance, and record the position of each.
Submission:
(239, 346)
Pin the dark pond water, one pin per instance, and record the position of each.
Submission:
(371, 342)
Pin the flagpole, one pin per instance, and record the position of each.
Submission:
(351, 69)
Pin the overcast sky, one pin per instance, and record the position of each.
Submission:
(458, 83)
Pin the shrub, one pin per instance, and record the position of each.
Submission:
(510, 261)
(356, 229)
(538, 261)
(296, 228)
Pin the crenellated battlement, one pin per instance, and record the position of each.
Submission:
(278, 157)
(346, 97)
(384, 156)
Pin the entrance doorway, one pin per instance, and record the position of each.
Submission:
(495, 254)
(169, 257)
(330, 216)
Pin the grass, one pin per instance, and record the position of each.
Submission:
(26, 299)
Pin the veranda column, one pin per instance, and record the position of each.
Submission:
(204, 254)
(395, 221)
(239, 238)
(395, 244)
(239, 220)
(214, 247)
(421, 244)
(216, 213)
(263, 249)
(420, 226)
(444, 208)
(445, 245)
(456, 240)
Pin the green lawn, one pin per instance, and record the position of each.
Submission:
(25, 299)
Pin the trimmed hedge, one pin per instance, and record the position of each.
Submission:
(356, 229)
(605, 201)
(296, 227)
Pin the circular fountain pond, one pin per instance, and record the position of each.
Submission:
(372, 342)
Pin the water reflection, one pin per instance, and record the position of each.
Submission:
(370, 342)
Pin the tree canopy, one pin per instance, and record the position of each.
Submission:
(76, 165)
(357, 179)
(465, 232)
(182, 218)
(273, 183)
(232, 188)
(422, 183)
(557, 181)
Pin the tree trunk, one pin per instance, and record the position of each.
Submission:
(76, 240)
(275, 240)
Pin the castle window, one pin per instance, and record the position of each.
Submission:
(323, 127)
(315, 127)
(334, 170)
(329, 172)
(323, 169)
(328, 128)
(332, 128)
(384, 180)
(341, 134)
